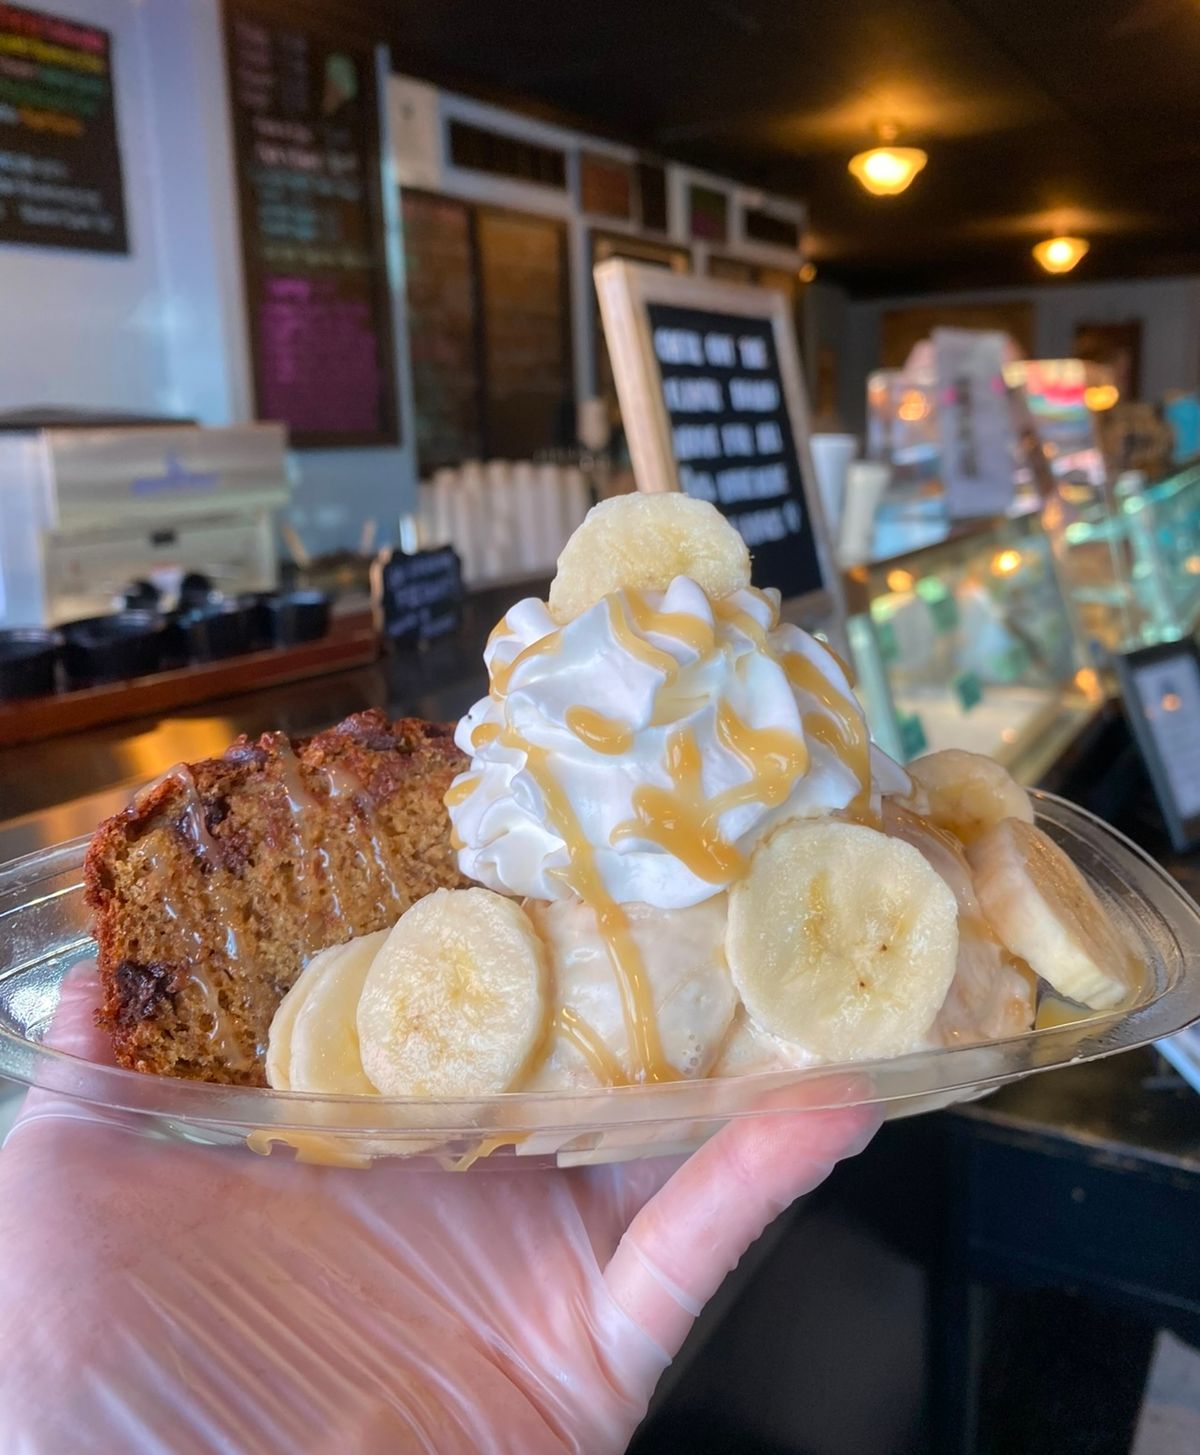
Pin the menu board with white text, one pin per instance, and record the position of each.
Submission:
(732, 436)
(306, 140)
(60, 166)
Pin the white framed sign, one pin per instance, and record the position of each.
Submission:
(712, 397)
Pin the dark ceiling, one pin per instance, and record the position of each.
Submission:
(1038, 115)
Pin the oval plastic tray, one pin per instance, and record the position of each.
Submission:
(44, 933)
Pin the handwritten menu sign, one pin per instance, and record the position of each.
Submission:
(417, 597)
(306, 136)
(732, 437)
(60, 168)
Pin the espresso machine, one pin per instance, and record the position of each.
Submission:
(85, 510)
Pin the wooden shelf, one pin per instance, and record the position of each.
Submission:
(350, 642)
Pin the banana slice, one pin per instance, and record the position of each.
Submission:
(1044, 910)
(313, 1041)
(966, 793)
(842, 940)
(325, 1054)
(746, 1050)
(992, 995)
(456, 1001)
(644, 542)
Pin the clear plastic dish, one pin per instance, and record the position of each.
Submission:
(44, 932)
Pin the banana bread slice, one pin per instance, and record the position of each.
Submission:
(212, 890)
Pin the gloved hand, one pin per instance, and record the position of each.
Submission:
(159, 1297)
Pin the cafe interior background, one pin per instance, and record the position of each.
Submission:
(354, 243)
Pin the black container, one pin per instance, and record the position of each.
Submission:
(218, 629)
(196, 590)
(27, 658)
(284, 618)
(142, 596)
(110, 648)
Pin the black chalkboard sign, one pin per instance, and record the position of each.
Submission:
(732, 436)
(417, 597)
(306, 142)
(60, 168)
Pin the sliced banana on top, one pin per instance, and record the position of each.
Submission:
(747, 1050)
(456, 1001)
(842, 940)
(992, 995)
(966, 793)
(1044, 910)
(313, 1042)
(643, 542)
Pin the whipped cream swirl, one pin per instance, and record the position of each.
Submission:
(660, 734)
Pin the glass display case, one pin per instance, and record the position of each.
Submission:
(1129, 559)
(968, 643)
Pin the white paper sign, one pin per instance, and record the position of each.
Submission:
(974, 422)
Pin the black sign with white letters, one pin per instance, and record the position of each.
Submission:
(418, 597)
(732, 438)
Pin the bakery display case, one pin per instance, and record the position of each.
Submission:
(1129, 559)
(967, 642)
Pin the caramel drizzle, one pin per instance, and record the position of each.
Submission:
(569, 1024)
(601, 734)
(629, 641)
(687, 824)
(221, 1036)
(582, 875)
(846, 735)
(692, 631)
(461, 789)
(193, 825)
(342, 783)
(500, 675)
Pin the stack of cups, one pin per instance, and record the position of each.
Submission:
(549, 531)
(525, 517)
(496, 526)
(466, 516)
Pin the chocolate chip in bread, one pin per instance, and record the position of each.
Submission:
(213, 889)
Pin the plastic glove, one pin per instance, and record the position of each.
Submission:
(161, 1297)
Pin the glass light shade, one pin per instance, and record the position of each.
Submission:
(887, 170)
(1060, 254)
(1099, 397)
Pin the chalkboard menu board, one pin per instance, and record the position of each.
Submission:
(306, 137)
(60, 169)
(443, 329)
(417, 597)
(732, 436)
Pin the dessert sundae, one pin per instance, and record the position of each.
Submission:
(669, 850)
(689, 859)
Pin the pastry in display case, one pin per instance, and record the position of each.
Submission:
(968, 644)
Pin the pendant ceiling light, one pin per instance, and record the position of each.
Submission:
(1060, 254)
(887, 170)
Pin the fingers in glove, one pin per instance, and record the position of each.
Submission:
(681, 1245)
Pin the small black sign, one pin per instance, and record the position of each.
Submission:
(1161, 687)
(418, 597)
(732, 438)
(60, 168)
